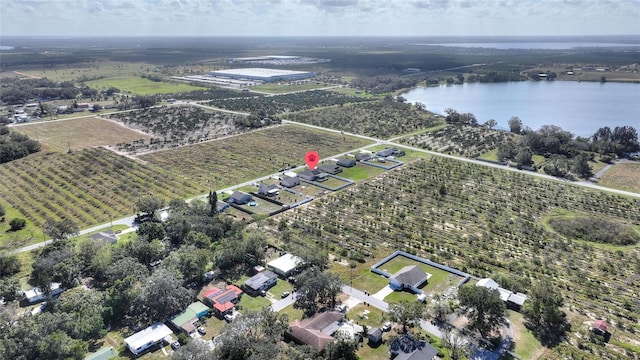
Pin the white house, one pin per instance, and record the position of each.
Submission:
(513, 300)
(36, 295)
(147, 338)
(284, 265)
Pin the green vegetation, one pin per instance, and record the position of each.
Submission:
(234, 160)
(360, 172)
(623, 176)
(597, 229)
(281, 88)
(141, 86)
(382, 119)
(14, 145)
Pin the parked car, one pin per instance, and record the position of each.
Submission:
(386, 327)
(175, 344)
(202, 330)
(285, 294)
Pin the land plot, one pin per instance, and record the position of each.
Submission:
(141, 86)
(261, 207)
(360, 172)
(409, 155)
(623, 176)
(218, 164)
(281, 88)
(307, 189)
(80, 133)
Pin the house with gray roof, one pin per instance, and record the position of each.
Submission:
(346, 162)
(268, 189)
(406, 347)
(409, 277)
(240, 198)
(260, 282)
(289, 181)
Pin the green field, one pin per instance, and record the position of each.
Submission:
(141, 86)
(360, 172)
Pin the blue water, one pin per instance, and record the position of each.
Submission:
(579, 107)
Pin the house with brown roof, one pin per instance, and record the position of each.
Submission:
(316, 331)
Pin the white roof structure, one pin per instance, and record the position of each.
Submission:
(36, 294)
(284, 264)
(146, 338)
(505, 295)
(263, 74)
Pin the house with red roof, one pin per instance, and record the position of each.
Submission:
(222, 300)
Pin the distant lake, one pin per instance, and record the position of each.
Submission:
(534, 45)
(579, 107)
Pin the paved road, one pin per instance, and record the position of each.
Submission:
(365, 298)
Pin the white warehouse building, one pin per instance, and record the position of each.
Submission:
(263, 74)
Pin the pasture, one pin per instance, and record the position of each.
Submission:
(230, 161)
(141, 86)
(623, 176)
(79, 134)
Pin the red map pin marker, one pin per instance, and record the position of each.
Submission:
(311, 159)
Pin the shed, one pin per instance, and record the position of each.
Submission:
(240, 198)
(147, 338)
(102, 354)
(374, 335)
(409, 277)
(346, 162)
(285, 265)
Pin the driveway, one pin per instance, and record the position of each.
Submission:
(375, 302)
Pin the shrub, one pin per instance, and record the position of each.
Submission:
(17, 224)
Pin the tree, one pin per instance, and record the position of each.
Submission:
(149, 205)
(515, 125)
(162, 295)
(317, 289)
(213, 203)
(2, 212)
(406, 312)
(254, 335)
(483, 307)
(194, 350)
(343, 348)
(524, 157)
(456, 344)
(440, 311)
(17, 224)
(491, 123)
(86, 313)
(543, 315)
(61, 230)
(9, 265)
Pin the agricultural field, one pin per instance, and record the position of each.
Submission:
(230, 161)
(623, 176)
(79, 134)
(382, 119)
(284, 87)
(272, 105)
(172, 126)
(87, 186)
(483, 221)
(141, 86)
(85, 71)
(463, 140)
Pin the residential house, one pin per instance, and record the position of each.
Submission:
(363, 157)
(390, 152)
(222, 206)
(188, 319)
(315, 331)
(147, 338)
(313, 175)
(268, 189)
(104, 237)
(260, 282)
(285, 265)
(409, 277)
(330, 169)
(346, 162)
(289, 181)
(36, 295)
(513, 300)
(222, 300)
(405, 347)
(240, 198)
(374, 335)
(102, 354)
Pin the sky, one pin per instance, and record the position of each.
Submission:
(318, 17)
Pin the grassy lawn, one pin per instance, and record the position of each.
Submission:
(15, 239)
(141, 86)
(280, 287)
(334, 183)
(374, 318)
(277, 88)
(292, 313)
(623, 176)
(214, 325)
(380, 352)
(526, 343)
(363, 278)
(490, 155)
(360, 172)
(261, 207)
(250, 303)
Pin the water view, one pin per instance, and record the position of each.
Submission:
(579, 107)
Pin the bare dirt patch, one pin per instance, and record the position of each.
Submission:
(623, 176)
(79, 134)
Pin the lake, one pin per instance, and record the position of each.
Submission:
(579, 107)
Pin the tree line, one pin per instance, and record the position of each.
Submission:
(14, 145)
